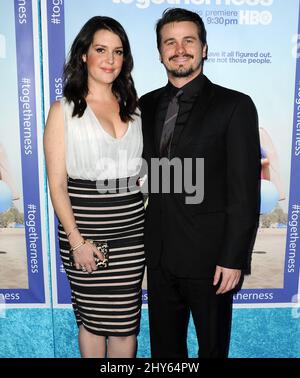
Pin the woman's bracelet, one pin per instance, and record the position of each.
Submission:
(69, 233)
(78, 245)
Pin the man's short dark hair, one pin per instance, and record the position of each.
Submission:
(178, 15)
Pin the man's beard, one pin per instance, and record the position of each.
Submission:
(180, 72)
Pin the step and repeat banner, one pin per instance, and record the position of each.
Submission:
(23, 249)
(253, 48)
(253, 45)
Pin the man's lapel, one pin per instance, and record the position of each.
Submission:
(157, 124)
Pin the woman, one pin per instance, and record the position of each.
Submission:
(6, 174)
(92, 141)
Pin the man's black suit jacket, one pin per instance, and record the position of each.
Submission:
(190, 240)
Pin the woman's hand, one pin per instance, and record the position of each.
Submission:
(84, 257)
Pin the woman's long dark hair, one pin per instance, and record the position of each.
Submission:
(76, 75)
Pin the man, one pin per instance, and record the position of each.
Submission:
(196, 252)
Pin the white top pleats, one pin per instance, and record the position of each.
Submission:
(93, 154)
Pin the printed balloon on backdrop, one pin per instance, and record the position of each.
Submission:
(5, 197)
(269, 196)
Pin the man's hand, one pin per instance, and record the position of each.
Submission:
(230, 278)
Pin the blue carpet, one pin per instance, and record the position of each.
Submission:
(259, 333)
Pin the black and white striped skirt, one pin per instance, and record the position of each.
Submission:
(107, 302)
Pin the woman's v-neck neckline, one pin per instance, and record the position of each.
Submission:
(102, 128)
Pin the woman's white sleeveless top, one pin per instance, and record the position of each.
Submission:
(93, 154)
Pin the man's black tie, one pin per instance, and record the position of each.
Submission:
(169, 126)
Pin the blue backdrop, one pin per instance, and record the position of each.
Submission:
(253, 47)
